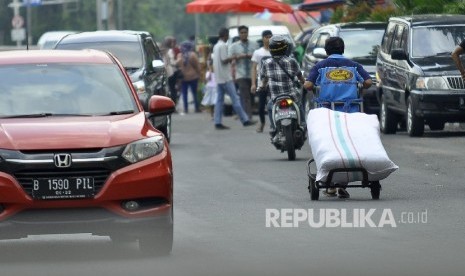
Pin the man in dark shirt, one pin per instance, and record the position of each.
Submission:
(459, 50)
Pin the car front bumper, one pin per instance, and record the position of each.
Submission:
(440, 105)
(149, 183)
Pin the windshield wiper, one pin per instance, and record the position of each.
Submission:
(35, 115)
(118, 112)
(39, 115)
(439, 54)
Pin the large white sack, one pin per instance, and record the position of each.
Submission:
(347, 140)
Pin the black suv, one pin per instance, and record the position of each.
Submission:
(139, 55)
(418, 81)
(361, 45)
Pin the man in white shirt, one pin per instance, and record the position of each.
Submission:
(222, 66)
(257, 58)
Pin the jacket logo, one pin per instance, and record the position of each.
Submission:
(339, 75)
(62, 160)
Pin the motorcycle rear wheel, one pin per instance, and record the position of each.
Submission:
(290, 145)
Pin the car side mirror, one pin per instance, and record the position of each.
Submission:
(399, 54)
(319, 53)
(158, 64)
(161, 105)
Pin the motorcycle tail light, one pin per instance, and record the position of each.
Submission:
(285, 103)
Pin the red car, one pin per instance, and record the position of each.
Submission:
(77, 153)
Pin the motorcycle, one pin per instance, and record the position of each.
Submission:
(289, 133)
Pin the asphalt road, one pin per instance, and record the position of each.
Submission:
(225, 181)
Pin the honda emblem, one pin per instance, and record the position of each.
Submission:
(62, 160)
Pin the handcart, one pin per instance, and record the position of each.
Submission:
(314, 186)
(362, 174)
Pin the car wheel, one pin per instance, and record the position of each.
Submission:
(415, 124)
(166, 129)
(436, 125)
(157, 241)
(387, 118)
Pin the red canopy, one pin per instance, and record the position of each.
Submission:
(235, 6)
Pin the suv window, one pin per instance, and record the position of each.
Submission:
(360, 43)
(129, 53)
(436, 39)
(318, 41)
(387, 39)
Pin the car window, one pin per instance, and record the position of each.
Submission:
(317, 41)
(129, 53)
(387, 38)
(150, 52)
(361, 43)
(433, 40)
(396, 43)
(78, 89)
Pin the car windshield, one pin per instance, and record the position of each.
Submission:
(129, 53)
(63, 89)
(361, 43)
(433, 40)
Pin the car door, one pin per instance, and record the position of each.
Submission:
(400, 69)
(155, 78)
(385, 65)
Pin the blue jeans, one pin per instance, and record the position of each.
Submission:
(192, 84)
(230, 89)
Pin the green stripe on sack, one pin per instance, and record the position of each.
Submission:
(343, 142)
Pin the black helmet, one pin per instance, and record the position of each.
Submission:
(279, 45)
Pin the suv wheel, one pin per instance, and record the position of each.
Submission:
(387, 118)
(415, 124)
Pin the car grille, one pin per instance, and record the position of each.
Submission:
(25, 177)
(456, 82)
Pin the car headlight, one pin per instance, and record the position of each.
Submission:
(143, 149)
(432, 83)
(139, 86)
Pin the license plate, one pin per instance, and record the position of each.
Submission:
(63, 187)
(286, 113)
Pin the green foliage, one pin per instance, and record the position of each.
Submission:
(159, 17)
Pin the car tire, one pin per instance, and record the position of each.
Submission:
(415, 124)
(158, 241)
(387, 118)
(166, 129)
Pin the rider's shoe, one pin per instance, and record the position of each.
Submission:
(330, 192)
(342, 193)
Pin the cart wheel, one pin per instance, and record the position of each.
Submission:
(314, 191)
(375, 189)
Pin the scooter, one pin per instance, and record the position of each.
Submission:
(289, 133)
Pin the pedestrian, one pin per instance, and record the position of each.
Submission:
(188, 62)
(257, 58)
(222, 66)
(242, 51)
(279, 73)
(458, 51)
(210, 95)
(348, 74)
(172, 72)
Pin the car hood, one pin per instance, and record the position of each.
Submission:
(72, 132)
(436, 64)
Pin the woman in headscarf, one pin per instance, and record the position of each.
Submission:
(188, 62)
